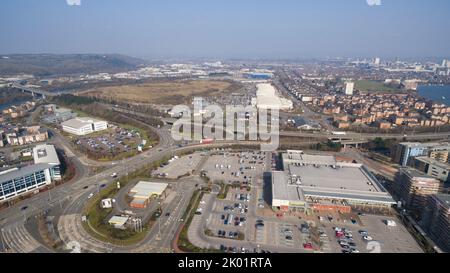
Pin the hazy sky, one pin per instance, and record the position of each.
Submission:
(228, 28)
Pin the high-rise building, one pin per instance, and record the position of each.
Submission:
(445, 63)
(349, 88)
(377, 61)
(413, 189)
(436, 220)
(403, 152)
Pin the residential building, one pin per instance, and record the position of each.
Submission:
(432, 167)
(403, 152)
(349, 88)
(414, 187)
(436, 220)
(21, 136)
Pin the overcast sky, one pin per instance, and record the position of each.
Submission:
(228, 28)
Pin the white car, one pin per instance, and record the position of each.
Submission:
(367, 238)
(114, 175)
(90, 196)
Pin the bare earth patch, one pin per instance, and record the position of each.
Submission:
(164, 92)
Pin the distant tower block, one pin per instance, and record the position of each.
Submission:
(377, 61)
(349, 88)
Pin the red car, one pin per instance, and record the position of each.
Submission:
(308, 246)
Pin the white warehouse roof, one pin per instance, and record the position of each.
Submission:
(145, 190)
(78, 123)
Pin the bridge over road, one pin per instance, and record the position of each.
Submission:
(34, 91)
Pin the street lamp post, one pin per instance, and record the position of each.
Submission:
(1, 237)
(159, 219)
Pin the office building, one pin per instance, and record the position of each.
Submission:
(413, 189)
(20, 181)
(46, 154)
(83, 126)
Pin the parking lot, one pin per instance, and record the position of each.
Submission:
(232, 167)
(228, 218)
(180, 166)
(111, 142)
(373, 235)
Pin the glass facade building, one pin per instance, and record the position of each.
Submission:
(20, 181)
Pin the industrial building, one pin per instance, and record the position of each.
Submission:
(322, 183)
(20, 181)
(56, 114)
(267, 98)
(143, 191)
(414, 188)
(436, 220)
(84, 126)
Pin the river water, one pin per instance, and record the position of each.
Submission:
(437, 93)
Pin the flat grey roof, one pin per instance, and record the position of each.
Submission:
(349, 178)
(75, 123)
(283, 191)
(302, 158)
(24, 171)
(367, 198)
(322, 176)
(45, 154)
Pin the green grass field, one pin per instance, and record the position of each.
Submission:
(374, 86)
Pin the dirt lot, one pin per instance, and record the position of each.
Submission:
(164, 92)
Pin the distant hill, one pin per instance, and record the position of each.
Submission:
(44, 65)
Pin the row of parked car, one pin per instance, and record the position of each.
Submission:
(239, 208)
(231, 234)
(345, 240)
(243, 197)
